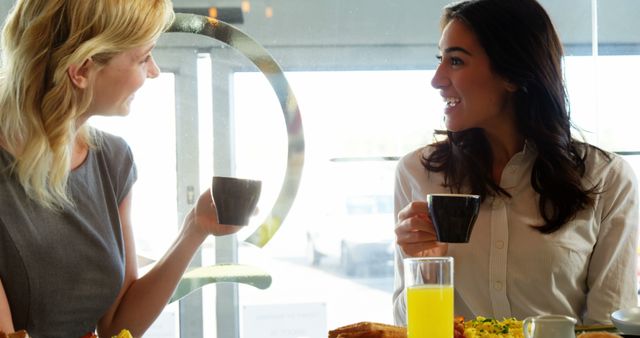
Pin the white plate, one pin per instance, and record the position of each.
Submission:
(627, 320)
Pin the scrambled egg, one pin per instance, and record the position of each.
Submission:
(482, 327)
(124, 334)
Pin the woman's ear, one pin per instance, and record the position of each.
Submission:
(79, 74)
(511, 86)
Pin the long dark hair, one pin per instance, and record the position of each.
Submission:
(523, 47)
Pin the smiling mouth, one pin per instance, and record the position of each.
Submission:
(451, 101)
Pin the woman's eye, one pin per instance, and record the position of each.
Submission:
(146, 59)
(455, 61)
(452, 60)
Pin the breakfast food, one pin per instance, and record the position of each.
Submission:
(598, 335)
(482, 327)
(458, 327)
(369, 330)
(24, 334)
(124, 334)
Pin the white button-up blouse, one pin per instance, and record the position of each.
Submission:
(585, 270)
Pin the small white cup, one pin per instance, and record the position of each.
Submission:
(549, 326)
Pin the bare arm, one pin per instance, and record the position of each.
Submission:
(6, 322)
(142, 299)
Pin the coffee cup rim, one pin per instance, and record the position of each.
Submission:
(454, 195)
(234, 178)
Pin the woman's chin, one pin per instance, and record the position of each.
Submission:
(453, 127)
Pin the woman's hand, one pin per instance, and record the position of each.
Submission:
(205, 217)
(415, 233)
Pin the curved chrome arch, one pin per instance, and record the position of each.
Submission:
(235, 38)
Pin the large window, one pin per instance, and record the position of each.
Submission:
(361, 71)
(363, 106)
(344, 205)
(353, 142)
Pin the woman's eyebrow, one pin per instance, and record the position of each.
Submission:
(456, 49)
(150, 49)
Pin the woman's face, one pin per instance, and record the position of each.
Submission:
(116, 82)
(474, 96)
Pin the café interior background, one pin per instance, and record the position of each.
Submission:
(360, 71)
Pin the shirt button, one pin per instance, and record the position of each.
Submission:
(499, 244)
(497, 286)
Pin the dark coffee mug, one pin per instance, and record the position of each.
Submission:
(453, 216)
(235, 199)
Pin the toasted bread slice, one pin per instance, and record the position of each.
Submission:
(369, 330)
(374, 334)
(598, 335)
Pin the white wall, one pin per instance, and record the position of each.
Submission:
(370, 34)
(324, 22)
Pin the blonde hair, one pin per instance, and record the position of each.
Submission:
(39, 105)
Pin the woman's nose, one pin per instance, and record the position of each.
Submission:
(439, 80)
(153, 70)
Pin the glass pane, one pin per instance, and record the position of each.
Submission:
(154, 209)
(361, 72)
(619, 74)
(573, 22)
(598, 106)
(615, 38)
(336, 244)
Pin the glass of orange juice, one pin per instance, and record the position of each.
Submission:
(429, 297)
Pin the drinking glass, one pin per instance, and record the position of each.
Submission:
(429, 297)
(547, 326)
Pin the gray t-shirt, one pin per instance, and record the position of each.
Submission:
(61, 271)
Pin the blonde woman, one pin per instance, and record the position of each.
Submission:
(67, 255)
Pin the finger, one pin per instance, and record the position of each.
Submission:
(415, 230)
(208, 203)
(416, 223)
(421, 250)
(413, 209)
(206, 200)
(415, 237)
(226, 229)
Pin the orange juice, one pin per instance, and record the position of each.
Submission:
(430, 311)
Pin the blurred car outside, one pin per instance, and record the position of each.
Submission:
(359, 234)
(354, 227)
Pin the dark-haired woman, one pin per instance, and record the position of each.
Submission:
(558, 223)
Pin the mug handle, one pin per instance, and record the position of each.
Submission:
(526, 323)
